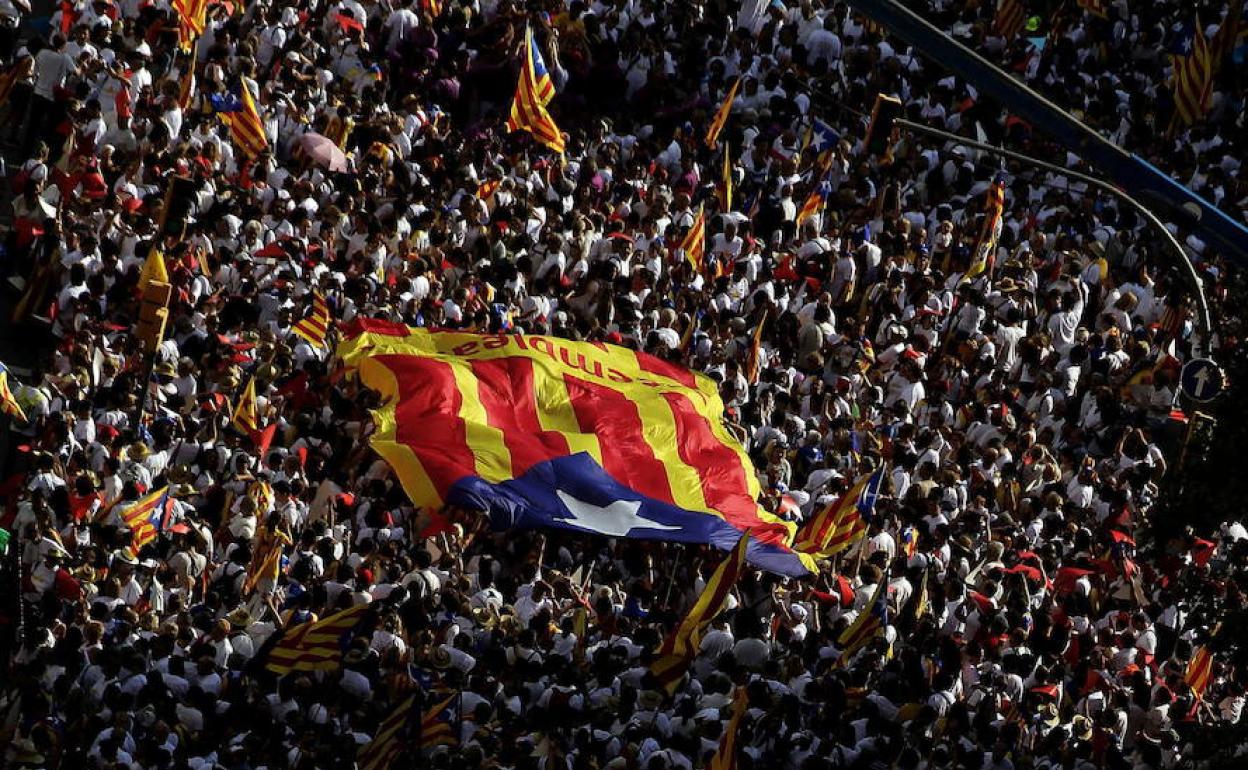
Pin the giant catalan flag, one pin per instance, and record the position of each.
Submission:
(546, 432)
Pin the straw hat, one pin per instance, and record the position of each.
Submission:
(240, 618)
(440, 658)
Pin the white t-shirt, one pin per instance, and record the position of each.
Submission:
(51, 69)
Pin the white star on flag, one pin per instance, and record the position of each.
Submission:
(615, 520)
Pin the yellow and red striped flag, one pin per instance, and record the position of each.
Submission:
(546, 432)
(1199, 671)
(721, 115)
(681, 647)
(393, 736)
(686, 337)
(986, 244)
(843, 522)
(725, 757)
(437, 725)
(754, 361)
(240, 115)
(869, 622)
(694, 242)
(315, 328)
(266, 561)
(400, 732)
(726, 185)
(316, 645)
(192, 18)
(1010, 18)
(534, 90)
(8, 403)
(1193, 76)
(246, 416)
(146, 517)
(488, 188)
(815, 202)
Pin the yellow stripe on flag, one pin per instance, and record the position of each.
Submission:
(493, 459)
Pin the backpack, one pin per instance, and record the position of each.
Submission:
(226, 586)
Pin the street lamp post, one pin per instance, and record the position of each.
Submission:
(1204, 322)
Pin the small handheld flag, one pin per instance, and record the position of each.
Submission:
(534, 90)
(815, 202)
(239, 113)
(147, 517)
(721, 115)
(246, 417)
(986, 243)
(8, 404)
(869, 622)
(315, 327)
(679, 649)
(1199, 671)
(694, 242)
(840, 524)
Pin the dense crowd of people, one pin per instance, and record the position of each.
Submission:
(1025, 413)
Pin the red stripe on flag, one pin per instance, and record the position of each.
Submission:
(505, 386)
(656, 365)
(616, 420)
(427, 418)
(723, 478)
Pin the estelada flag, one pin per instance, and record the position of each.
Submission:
(869, 623)
(317, 645)
(843, 522)
(534, 90)
(147, 517)
(754, 360)
(546, 432)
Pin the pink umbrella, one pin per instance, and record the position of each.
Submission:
(322, 151)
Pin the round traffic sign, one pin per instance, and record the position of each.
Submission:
(1201, 380)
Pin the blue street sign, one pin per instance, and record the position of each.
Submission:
(1201, 380)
